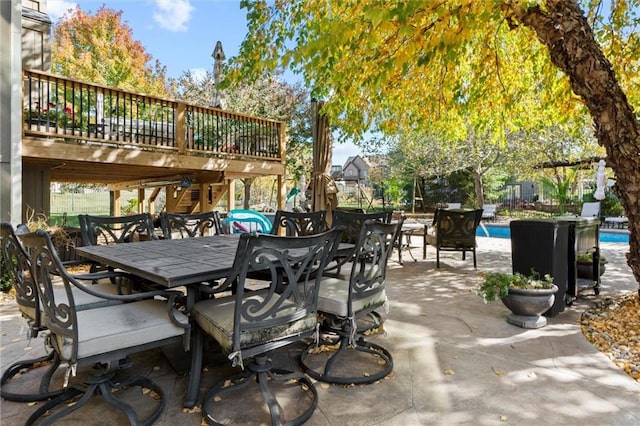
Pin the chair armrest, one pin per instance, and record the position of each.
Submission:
(76, 281)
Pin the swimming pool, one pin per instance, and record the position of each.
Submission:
(503, 231)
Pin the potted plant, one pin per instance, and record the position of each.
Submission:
(527, 296)
(584, 264)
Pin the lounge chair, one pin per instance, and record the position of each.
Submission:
(590, 209)
(489, 211)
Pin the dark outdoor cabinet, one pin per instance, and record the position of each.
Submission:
(584, 236)
(542, 245)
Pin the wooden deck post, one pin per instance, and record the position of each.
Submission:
(140, 200)
(231, 194)
(180, 128)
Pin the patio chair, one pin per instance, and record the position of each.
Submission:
(179, 225)
(252, 324)
(100, 336)
(116, 229)
(99, 230)
(489, 211)
(591, 209)
(453, 230)
(343, 303)
(352, 222)
(299, 223)
(18, 266)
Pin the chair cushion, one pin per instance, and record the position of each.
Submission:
(333, 296)
(216, 316)
(27, 312)
(125, 325)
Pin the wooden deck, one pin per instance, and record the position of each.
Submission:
(86, 133)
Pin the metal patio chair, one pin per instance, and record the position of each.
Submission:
(100, 230)
(249, 325)
(345, 304)
(453, 230)
(352, 222)
(183, 225)
(97, 230)
(18, 266)
(299, 223)
(99, 336)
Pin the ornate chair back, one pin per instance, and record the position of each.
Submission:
(299, 223)
(16, 261)
(178, 225)
(352, 223)
(99, 230)
(455, 230)
(18, 267)
(368, 275)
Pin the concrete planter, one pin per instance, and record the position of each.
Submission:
(527, 306)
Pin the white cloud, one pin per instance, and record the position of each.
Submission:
(173, 15)
(57, 8)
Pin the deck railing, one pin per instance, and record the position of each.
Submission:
(59, 107)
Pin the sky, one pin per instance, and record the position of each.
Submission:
(182, 34)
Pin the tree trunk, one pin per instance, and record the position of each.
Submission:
(479, 186)
(564, 29)
(247, 191)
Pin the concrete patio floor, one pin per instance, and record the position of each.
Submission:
(457, 360)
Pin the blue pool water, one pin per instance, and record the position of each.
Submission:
(606, 236)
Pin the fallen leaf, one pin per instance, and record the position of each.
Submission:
(195, 409)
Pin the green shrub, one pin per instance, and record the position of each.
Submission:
(6, 281)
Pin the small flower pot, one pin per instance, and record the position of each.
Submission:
(585, 269)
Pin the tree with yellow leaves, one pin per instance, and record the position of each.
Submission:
(496, 66)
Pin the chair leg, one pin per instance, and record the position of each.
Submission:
(324, 370)
(475, 265)
(44, 392)
(437, 257)
(263, 372)
(424, 247)
(197, 349)
(100, 384)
